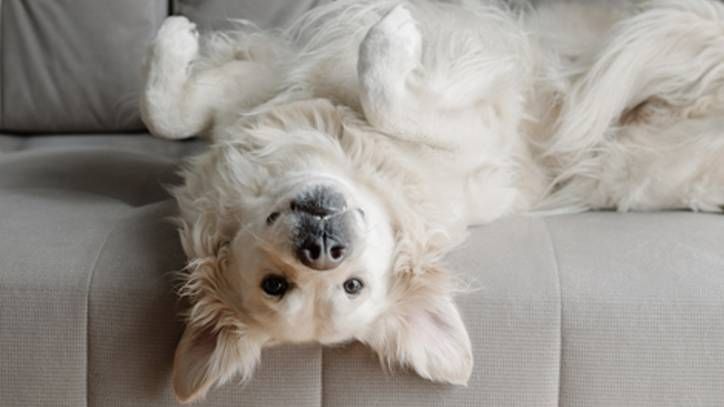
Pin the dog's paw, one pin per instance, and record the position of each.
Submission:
(177, 41)
(400, 29)
(394, 42)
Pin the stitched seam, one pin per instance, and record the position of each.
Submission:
(2, 64)
(89, 285)
(322, 403)
(556, 263)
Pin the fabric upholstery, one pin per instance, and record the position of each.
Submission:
(217, 14)
(74, 65)
(598, 309)
(643, 309)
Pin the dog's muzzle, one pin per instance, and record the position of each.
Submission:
(322, 239)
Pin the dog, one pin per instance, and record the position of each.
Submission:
(351, 151)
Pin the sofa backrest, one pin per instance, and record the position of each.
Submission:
(75, 65)
(264, 13)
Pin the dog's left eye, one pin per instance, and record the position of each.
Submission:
(275, 286)
(353, 286)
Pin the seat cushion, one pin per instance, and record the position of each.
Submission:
(642, 308)
(597, 309)
(88, 314)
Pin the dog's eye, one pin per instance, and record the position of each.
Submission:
(275, 285)
(271, 218)
(353, 286)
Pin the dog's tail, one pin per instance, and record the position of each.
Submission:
(672, 51)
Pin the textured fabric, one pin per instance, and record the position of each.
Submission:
(217, 14)
(74, 65)
(60, 207)
(151, 147)
(643, 309)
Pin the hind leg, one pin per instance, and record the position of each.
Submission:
(389, 65)
(455, 93)
(447, 94)
(186, 95)
(647, 168)
(166, 107)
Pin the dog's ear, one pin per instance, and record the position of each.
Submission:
(206, 357)
(216, 345)
(423, 329)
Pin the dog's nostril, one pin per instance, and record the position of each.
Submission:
(337, 252)
(313, 251)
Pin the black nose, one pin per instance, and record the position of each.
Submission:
(319, 201)
(322, 253)
(322, 238)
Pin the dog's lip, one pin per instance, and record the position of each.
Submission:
(317, 210)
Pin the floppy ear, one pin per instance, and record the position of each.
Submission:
(217, 344)
(205, 358)
(423, 330)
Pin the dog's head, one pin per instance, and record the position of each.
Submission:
(287, 245)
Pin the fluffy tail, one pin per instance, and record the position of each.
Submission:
(672, 51)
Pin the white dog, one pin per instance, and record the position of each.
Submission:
(352, 150)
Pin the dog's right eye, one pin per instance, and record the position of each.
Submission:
(275, 286)
(271, 218)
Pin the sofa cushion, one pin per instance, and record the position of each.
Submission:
(74, 65)
(88, 314)
(642, 308)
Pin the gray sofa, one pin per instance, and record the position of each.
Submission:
(598, 309)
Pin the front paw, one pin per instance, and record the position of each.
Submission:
(394, 43)
(177, 42)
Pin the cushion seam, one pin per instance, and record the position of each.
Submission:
(556, 264)
(2, 64)
(322, 402)
(89, 285)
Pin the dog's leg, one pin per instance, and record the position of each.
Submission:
(389, 61)
(166, 107)
(622, 139)
(456, 95)
(671, 55)
(679, 166)
(186, 94)
(445, 95)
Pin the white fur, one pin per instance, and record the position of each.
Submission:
(430, 117)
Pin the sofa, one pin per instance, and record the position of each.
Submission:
(596, 309)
